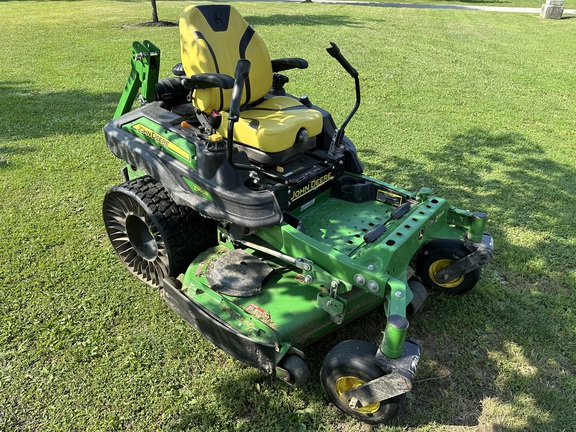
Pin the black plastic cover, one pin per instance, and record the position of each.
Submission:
(213, 328)
(231, 200)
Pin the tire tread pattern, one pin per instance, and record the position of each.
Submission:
(184, 232)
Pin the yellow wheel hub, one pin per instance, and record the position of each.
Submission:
(436, 266)
(347, 383)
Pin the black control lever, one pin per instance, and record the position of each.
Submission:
(336, 146)
(240, 76)
(334, 51)
(373, 235)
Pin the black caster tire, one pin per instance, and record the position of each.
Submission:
(297, 368)
(349, 365)
(439, 254)
(419, 296)
(153, 237)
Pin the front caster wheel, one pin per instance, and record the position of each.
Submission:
(439, 254)
(349, 365)
(153, 237)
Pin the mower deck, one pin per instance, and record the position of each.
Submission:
(291, 307)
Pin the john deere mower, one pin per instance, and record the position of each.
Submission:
(247, 207)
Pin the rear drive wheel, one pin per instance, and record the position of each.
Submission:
(153, 237)
(349, 365)
(439, 254)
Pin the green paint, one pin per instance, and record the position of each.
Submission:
(297, 307)
(198, 190)
(287, 310)
(159, 136)
(144, 74)
(394, 336)
(134, 173)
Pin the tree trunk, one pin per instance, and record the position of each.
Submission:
(154, 11)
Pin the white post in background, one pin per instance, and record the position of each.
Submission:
(552, 9)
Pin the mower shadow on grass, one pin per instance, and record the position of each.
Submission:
(6, 153)
(509, 340)
(53, 112)
(252, 400)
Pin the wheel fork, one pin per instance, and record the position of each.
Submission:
(400, 373)
(481, 253)
(397, 356)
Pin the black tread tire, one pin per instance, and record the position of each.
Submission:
(355, 358)
(175, 234)
(298, 369)
(419, 295)
(445, 249)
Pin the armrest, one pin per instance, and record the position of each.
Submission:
(208, 80)
(279, 65)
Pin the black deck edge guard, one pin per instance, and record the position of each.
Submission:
(225, 337)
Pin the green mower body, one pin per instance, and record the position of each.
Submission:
(264, 254)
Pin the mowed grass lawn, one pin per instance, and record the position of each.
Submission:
(478, 106)
(568, 4)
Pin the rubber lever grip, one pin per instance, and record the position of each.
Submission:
(373, 235)
(240, 75)
(334, 51)
(400, 211)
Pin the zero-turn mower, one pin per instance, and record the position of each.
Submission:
(248, 208)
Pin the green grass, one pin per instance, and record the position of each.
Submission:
(569, 4)
(479, 106)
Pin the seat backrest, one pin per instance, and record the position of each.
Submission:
(212, 39)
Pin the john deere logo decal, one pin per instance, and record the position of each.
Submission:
(311, 186)
(162, 141)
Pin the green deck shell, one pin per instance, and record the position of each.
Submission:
(293, 310)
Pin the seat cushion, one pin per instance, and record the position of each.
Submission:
(273, 125)
(212, 39)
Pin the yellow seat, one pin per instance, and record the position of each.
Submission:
(212, 39)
